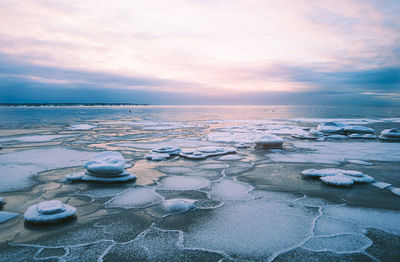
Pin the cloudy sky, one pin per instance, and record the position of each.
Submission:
(200, 51)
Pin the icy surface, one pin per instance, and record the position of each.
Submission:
(204, 152)
(137, 197)
(230, 158)
(339, 243)
(395, 190)
(332, 127)
(338, 180)
(183, 183)
(178, 205)
(381, 185)
(49, 212)
(107, 162)
(172, 150)
(157, 156)
(5, 216)
(82, 127)
(333, 226)
(250, 229)
(321, 172)
(34, 138)
(175, 142)
(230, 190)
(16, 168)
(269, 141)
(336, 153)
(122, 178)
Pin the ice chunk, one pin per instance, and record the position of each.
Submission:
(364, 136)
(183, 183)
(75, 177)
(172, 150)
(5, 216)
(321, 172)
(359, 129)
(338, 180)
(315, 132)
(107, 162)
(305, 136)
(204, 152)
(332, 127)
(360, 162)
(158, 156)
(137, 197)
(49, 212)
(391, 133)
(230, 190)
(82, 127)
(381, 185)
(34, 138)
(121, 178)
(178, 205)
(230, 158)
(363, 179)
(395, 190)
(340, 243)
(16, 168)
(269, 141)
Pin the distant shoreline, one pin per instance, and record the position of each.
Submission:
(68, 104)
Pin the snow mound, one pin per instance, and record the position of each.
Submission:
(82, 127)
(381, 185)
(204, 152)
(183, 183)
(178, 205)
(230, 158)
(5, 216)
(332, 127)
(137, 197)
(52, 211)
(338, 180)
(107, 162)
(269, 141)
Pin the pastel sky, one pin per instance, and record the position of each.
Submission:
(200, 51)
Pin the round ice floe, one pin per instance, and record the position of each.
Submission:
(158, 156)
(122, 178)
(230, 158)
(331, 127)
(391, 133)
(107, 162)
(171, 150)
(359, 129)
(321, 172)
(315, 132)
(204, 152)
(338, 180)
(305, 136)
(269, 141)
(49, 212)
(178, 205)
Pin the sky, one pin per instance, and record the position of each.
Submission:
(200, 51)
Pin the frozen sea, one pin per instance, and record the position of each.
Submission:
(252, 205)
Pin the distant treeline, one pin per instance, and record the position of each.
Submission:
(71, 104)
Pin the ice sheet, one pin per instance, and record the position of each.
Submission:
(183, 183)
(34, 138)
(137, 197)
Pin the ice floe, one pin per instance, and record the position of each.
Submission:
(269, 141)
(381, 185)
(364, 136)
(305, 136)
(178, 205)
(82, 127)
(137, 197)
(395, 190)
(338, 180)
(16, 168)
(34, 138)
(230, 158)
(204, 152)
(163, 153)
(183, 183)
(51, 211)
(338, 177)
(360, 162)
(230, 190)
(331, 127)
(359, 129)
(157, 156)
(390, 134)
(5, 216)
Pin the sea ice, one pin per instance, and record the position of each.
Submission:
(82, 127)
(121, 178)
(359, 129)
(381, 185)
(315, 132)
(364, 136)
(338, 180)
(178, 205)
(171, 150)
(305, 136)
(395, 190)
(391, 133)
(321, 172)
(360, 162)
(157, 156)
(269, 141)
(107, 162)
(230, 190)
(34, 138)
(331, 127)
(339, 243)
(5, 216)
(51, 211)
(327, 226)
(230, 158)
(16, 168)
(175, 142)
(137, 197)
(183, 183)
(204, 152)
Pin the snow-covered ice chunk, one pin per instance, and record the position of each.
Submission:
(107, 162)
(269, 141)
(331, 127)
(321, 172)
(204, 152)
(137, 197)
(157, 156)
(183, 183)
(171, 150)
(381, 185)
(391, 133)
(82, 127)
(338, 180)
(230, 190)
(360, 162)
(305, 136)
(178, 205)
(395, 190)
(338, 243)
(363, 179)
(16, 168)
(315, 132)
(230, 158)
(34, 138)
(359, 129)
(5, 216)
(121, 178)
(363, 136)
(49, 212)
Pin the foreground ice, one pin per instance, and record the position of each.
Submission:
(336, 153)
(34, 138)
(137, 197)
(5, 216)
(16, 168)
(47, 212)
(269, 141)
